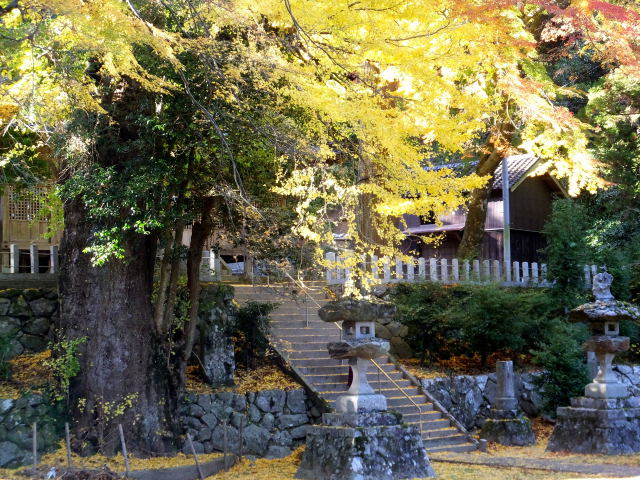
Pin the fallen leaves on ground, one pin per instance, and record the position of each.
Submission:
(285, 469)
(58, 459)
(28, 373)
(266, 376)
(543, 431)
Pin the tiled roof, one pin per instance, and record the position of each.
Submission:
(519, 166)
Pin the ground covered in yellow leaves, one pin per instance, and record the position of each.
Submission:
(285, 469)
(266, 376)
(116, 463)
(543, 432)
(28, 373)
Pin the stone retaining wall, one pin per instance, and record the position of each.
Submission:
(274, 421)
(16, 420)
(26, 317)
(469, 397)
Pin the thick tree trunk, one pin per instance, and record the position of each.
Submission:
(124, 377)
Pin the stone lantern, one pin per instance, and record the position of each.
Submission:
(361, 440)
(606, 420)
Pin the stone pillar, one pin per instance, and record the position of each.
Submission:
(506, 424)
(505, 396)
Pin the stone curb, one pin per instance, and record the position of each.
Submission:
(541, 464)
(184, 472)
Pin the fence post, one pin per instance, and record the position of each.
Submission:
(34, 445)
(53, 259)
(422, 268)
(14, 258)
(386, 269)
(330, 257)
(68, 442)
(411, 270)
(486, 270)
(433, 269)
(543, 273)
(444, 270)
(374, 267)
(33, 258)
(466, 266)
(516, 272)
(455, 270)
(497, 272)
(534, 273)
(399, 270)
(124, 451)
(217, 266)
(525, 272)
(476, 271)
(195, 456)
(587, 276)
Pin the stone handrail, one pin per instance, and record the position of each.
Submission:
(401, 391)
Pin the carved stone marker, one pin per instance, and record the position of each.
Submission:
(605, 420)
(361, 441)
(506, 425)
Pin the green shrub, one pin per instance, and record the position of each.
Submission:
(448, 320)
(422, 307)
(490, 319)
(562, 361)
(252, 332)
(567, 252)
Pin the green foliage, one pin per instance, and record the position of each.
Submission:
(252, 331)
(64, 365)
(5, 348)
(490, 319)
(421, 308)
(562, 361)
(566, 252)
(445, 320)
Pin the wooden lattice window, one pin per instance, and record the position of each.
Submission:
(25, 205)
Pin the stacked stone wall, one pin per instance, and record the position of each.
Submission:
(274, 422)
(17, 417)
(26, 318)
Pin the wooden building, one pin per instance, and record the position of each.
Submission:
(530, 199)
(21, 224)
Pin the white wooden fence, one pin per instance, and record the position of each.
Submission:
(445, 270)
(210, 268)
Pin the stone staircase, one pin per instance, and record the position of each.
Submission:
(301, 337)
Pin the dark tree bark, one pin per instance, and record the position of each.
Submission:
(123, 360)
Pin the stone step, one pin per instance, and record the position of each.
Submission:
(333, 394)
(341, 368)
(300, 354)
(426, 415)
(344, 377)
(454, 439)
(428, 422)
(435, 432)
(410, 409)
(318, 362)
(462, 448)
(324, 386)
(319, 331)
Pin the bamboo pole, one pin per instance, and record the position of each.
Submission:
(195, 456)
(124, 451)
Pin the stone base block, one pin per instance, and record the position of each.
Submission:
(606, 390)
(582, 428)
(369, 419)
(388, 452)
(361, 403)
(508, 430)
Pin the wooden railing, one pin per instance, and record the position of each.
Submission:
(387, 270)
(211, 269)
